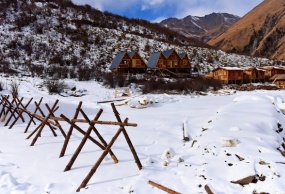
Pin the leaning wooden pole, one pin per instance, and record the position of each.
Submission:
(167, 190)
(14, 110)
(4, 104)
(43, 124)
(69, 133)
(127, 137)
(82, 132)
(97, 164)
(20, 113)
(83, 141)
(32, 117)
(99, 135)
(56, 122)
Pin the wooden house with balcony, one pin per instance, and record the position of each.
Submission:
(270, 71)
(253, 75)
(228, 75)
(169, 62)
(184, 65)
(128, 62)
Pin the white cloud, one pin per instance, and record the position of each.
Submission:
(181, 9)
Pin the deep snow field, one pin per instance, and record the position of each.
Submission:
(232, 135)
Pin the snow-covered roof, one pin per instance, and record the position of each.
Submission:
(229, 68)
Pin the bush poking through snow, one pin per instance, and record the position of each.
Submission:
(14, 87)
(55, 86)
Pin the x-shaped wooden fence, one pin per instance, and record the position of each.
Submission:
(15, 109)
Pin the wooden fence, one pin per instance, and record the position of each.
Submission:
(12, 109)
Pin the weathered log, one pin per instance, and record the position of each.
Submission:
(159, 186)
(246, 180)
(104, 122)
(208, 190)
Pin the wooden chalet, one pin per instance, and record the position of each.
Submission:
(278, 80)
(184, 65)
(253, 75)
(128, 62)
(170, 62)
(228, 75)
(270, 71)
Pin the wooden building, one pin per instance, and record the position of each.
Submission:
(278, 80)
(170, 62)
(128, 62)
(229, 75)
(253, 75)
(270, 71)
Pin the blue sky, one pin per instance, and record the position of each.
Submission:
(157, 10)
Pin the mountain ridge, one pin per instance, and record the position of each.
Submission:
(259, 33)
(202, 28)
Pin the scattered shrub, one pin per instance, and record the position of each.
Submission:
(14, 87)
(55, 86)
(108, 80)
(179, 85)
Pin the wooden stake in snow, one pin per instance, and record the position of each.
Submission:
(167, 190)
(69, 133)
(107, 147)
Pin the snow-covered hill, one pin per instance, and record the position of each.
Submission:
(38, 33)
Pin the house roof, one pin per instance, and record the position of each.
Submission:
(278, 77)
(152, 61)
(182, 54)
(131, 53)
(167, 53)
(116, 61)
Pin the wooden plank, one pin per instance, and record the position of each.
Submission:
(105, 122)
(159, 186)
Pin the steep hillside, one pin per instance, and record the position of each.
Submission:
(203, 28)
(259, 33)
(37, 34)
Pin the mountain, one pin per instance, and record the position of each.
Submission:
(261, 32)
(203, 28)
(38, 34)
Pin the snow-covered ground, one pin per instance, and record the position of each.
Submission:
(231, 136)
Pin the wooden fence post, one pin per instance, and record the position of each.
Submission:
(127, 137)
(69, 133)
